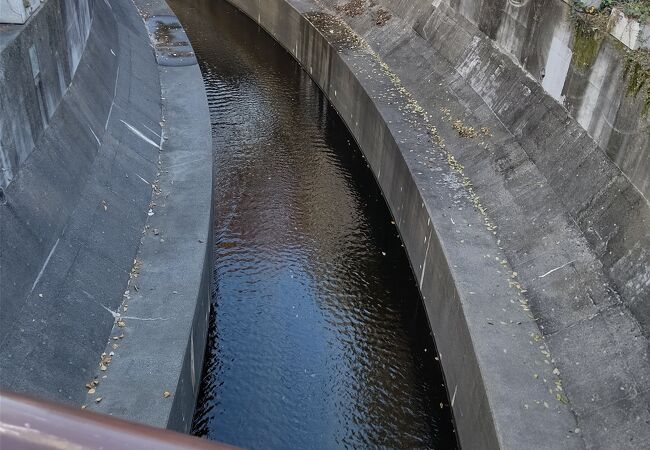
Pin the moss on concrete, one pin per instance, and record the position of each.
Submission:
(586, 45)
(592, 25)
(637, 72)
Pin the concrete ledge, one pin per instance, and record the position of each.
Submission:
(17, 11)
(155, 368)
(468, 151)
(72, 226)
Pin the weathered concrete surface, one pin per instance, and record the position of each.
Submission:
(583, 73)
(79, 199)
(521, 213)
(54, 239)
(165, 319)
(37, 63)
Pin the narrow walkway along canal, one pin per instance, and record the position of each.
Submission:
(319, 337)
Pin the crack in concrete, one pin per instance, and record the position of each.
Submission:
(117, 316)
(556, 269)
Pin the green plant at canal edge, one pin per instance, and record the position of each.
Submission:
(586, 45)
(592, 26)
(638, 9)
(637, 72)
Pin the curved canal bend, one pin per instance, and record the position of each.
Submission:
(318, 337)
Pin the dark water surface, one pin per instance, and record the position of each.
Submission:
(319, 338)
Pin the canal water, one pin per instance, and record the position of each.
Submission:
(318, 337)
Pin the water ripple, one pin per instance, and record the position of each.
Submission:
(319, 338)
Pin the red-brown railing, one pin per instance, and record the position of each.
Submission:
(28, 424)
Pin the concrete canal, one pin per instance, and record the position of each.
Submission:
(318, 337)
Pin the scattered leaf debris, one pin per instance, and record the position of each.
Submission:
(382, 17)
(464, 130)
(352, 8)
(486, 131)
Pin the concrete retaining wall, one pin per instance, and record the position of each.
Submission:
(529, 244)
(108, 149)
(165, 314)
(36, 69)
(585, 75)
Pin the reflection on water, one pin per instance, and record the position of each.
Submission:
(319, 338)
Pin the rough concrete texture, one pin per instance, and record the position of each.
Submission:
(584, 73)
(78, 202)
(155, 371)
(529, 243)
(37, 63)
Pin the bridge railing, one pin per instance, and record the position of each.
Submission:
(26, 423)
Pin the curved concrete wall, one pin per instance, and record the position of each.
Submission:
(154, 375)
(37, 66)
(585, 75)
(108, 154)
(529, 244)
